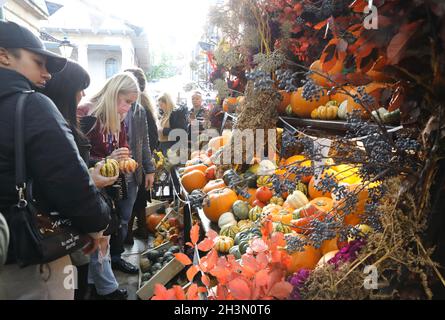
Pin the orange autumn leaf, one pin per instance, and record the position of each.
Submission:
(191, 272)
(262, 278)
(262, 259)
(239, 289)
(206, 245)
(191, 245)
(212, 234)
(192, 292)
(183, 259)
(205, 280)
(221, 292)
(194, 234)
(267, 228)
(160, 292)
(281, 290)
(258, 245)
(208, 262)
(179, 293)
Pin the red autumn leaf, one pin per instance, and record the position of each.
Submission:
(249, 265)
(209, 261)
(321, 24)
(221, 292)
(358, 5)
(262, 278)
(192, 292)
(202, 290)
(212, 234)
(267, 228)
(190, 244)
(179, 293)
(194, 234)
(281, 290)
(258, 245)
(160, 292)
(205, 280)
(191, 272)
(275, 276)
(183, 259)
(262, 259)
(399, 42)
(239, 289)
(206, 245)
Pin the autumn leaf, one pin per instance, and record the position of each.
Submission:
(206, 245)
(192, 292)
(249, 266)
(183, 259)
(191, 245)
(194, 234)
(262, 278)
(179, 293)
(281, 290)
(212, 234)
(191, 272)
(321, 24)
(205, 280)
(262, 259)
(221, 292)
(160, 292)
(208, 262)
(239, 289)
(258, 245)
(399, 42)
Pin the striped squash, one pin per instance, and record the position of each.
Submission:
(110, 168)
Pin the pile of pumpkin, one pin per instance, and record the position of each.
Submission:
(338, 104)
(164, 228)
(240, 218)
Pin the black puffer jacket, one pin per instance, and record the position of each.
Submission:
(61, 179)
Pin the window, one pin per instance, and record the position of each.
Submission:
(111, 67)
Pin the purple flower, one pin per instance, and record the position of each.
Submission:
(297, 280)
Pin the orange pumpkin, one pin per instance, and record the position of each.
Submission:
(323, 204)
(285, 102)
(282, 216)
(355, 217)
(201, 167)
(194, 180)
(252, 199)
(329, 245)
(296, 161)
(214, 185)
(306, 259)
(128, 166)
(153, 220)
(303, 108)
(313, 191)
(322, 80)
(229, 104)
(219, 202)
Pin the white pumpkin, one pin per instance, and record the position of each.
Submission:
(343, 110)
(267, 168)
(227, 220)
(297, 199)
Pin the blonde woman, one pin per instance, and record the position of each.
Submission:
(172, 118)
(107, 132)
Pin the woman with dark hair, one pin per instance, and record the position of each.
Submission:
(66, 90)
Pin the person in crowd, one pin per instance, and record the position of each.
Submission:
(142, 112)
(4, 240)
(200, 112)
(61, 179)
(108, 137)
(172, 118)
(66, 89)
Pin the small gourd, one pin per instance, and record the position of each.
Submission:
(297, 199)
(224, 244)
(110, 168)
(226, 220)
(255, 213)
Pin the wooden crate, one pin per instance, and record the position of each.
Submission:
(167, 273)
(154, 206)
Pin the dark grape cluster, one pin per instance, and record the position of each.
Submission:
(312, 91)
(262, 80)
(364, 98)
(287, 80)
(288, 143)
(294, 243)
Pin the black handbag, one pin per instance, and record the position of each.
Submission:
(36, 237)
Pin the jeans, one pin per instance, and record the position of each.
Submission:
(100, 273)
(126, 210)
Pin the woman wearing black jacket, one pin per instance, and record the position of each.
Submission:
(172, 118)
(61, 178)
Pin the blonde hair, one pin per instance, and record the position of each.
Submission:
(167, 99)
(105, 101)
